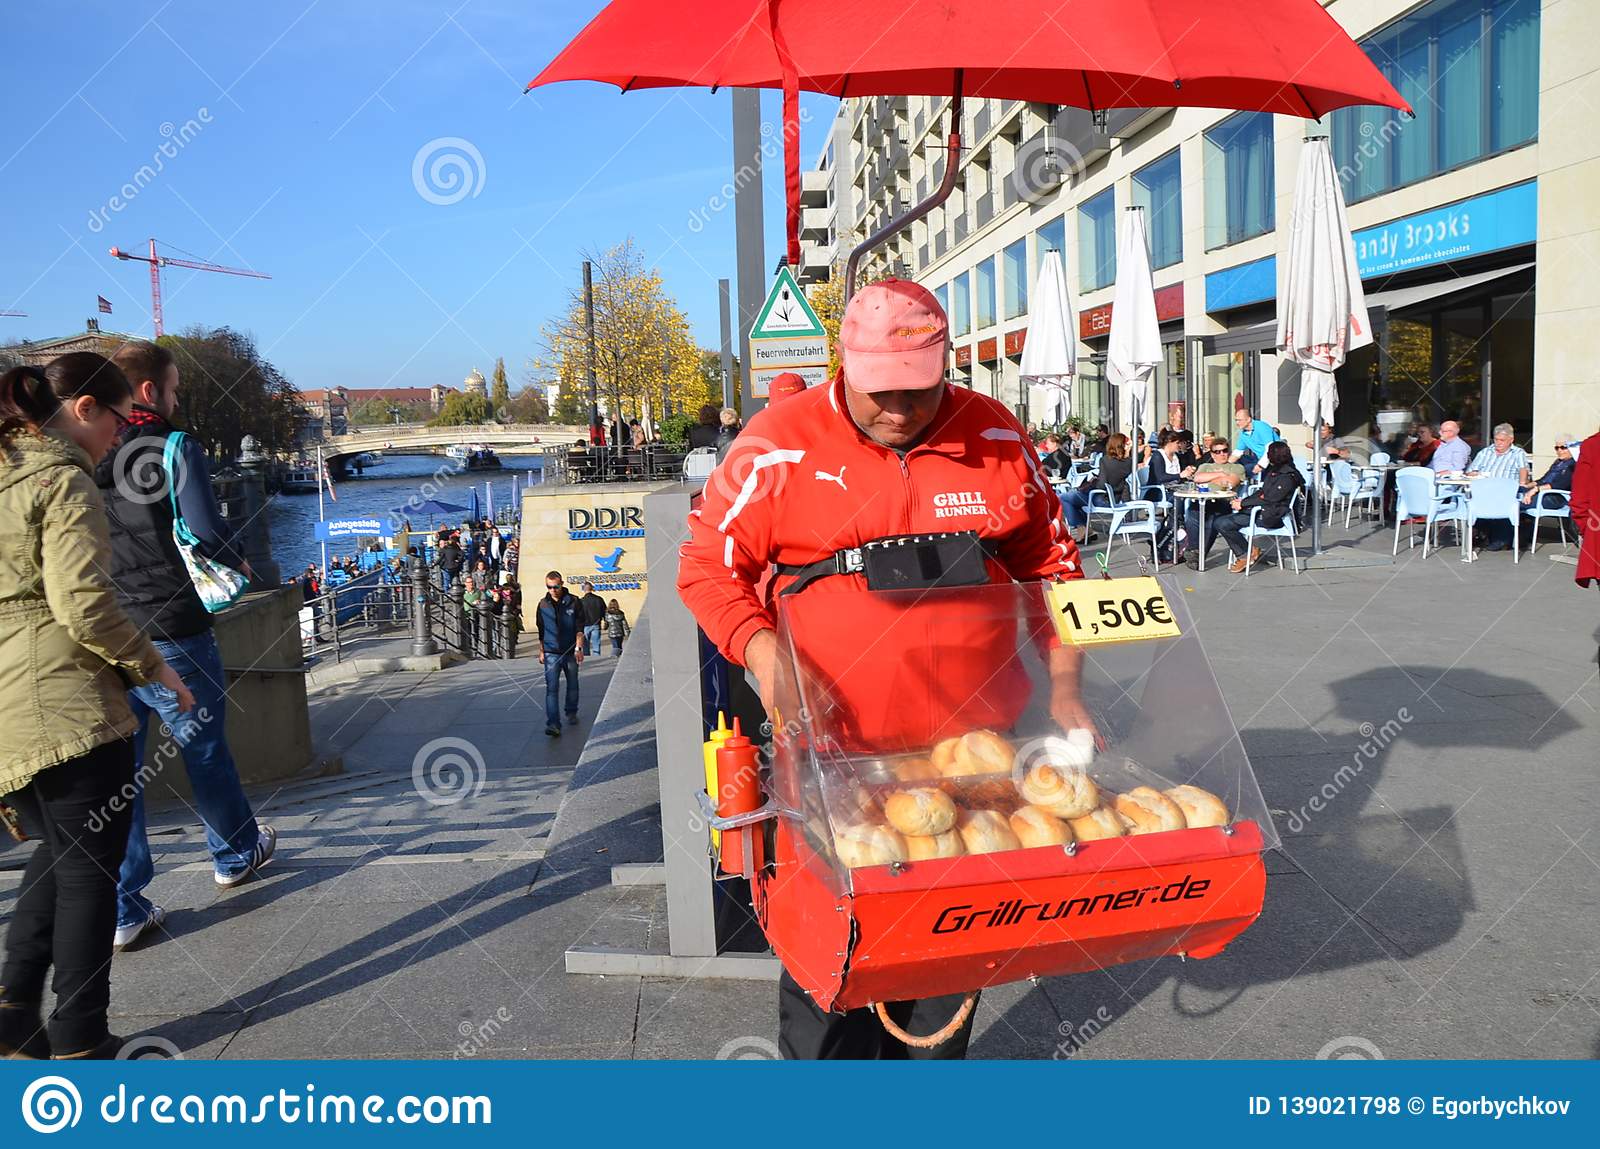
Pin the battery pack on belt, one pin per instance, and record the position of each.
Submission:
(902, 562)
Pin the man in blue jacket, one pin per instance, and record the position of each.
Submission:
(155, 589)
(560, 621)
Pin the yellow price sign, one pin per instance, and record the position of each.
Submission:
(1094, 610)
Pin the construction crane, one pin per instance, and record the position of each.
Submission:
(156, 263)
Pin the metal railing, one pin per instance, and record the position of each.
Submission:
(381, 606)
(608, 464)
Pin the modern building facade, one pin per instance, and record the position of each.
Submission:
(1477, 228)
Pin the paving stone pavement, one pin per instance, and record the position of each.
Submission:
(1442, 900)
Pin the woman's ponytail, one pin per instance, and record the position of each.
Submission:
(26, 401)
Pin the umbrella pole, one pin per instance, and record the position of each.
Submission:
(952, 163)
(1316, 484)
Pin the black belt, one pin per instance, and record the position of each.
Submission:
(902, 562)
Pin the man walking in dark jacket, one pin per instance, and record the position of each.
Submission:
(593, 608)
(155, 589)
(559, 619)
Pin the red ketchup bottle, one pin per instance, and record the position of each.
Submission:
(738, 792)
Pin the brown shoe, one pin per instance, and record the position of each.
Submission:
(1237, 565)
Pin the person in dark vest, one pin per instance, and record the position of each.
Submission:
(155, 590)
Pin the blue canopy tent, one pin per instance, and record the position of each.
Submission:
(474, 508)
(430, 507)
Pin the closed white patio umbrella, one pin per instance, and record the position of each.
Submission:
(1135, 345)
(1050, 352)
(1322, 312)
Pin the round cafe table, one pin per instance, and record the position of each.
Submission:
(1201, 498)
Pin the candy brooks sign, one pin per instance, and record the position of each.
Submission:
(786, 336)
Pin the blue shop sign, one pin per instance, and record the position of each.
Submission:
(351, 528)
(1500, 219)
(1247, 283)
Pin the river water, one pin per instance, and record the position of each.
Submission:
(382, 489)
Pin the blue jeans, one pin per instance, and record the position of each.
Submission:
(591, 639)
(555, 665)
(231, 830)
(1075, 505)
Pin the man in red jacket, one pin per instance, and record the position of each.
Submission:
(886, 449)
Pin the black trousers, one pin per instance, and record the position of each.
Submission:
(66, 911)
(806, 1033)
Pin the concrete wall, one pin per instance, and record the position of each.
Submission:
(269, 729)
(1566, 370)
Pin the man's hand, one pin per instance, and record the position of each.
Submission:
(244, 569)
(1066, 692)
(577, 655)
(761, 660)
(1234, 503)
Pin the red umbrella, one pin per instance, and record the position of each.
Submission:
(1285, 56)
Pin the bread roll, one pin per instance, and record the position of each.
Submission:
(945, 845)
(1064, 793)
(916, 770)
(1101, 822)
(1148, 811)
(1200, 808)
(986, 832)
(1036, 826)
(921, 811)
(984, 752)
(943, 754)
(1072, 751)
(868, 845)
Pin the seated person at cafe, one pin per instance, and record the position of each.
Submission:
(1333, 447)
(1419, 452)
(1451, 455)
(1167, 466)
(1115, 467)
(1557, 478)
(1219, 475)
(1502, 458)
(1056, 458)
(1280, 479)
(1077, 443)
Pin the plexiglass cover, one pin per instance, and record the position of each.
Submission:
(924, 724)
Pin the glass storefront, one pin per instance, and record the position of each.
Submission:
(1468, 359)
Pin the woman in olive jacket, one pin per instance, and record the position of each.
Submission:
(1279, 481)
(67, 653)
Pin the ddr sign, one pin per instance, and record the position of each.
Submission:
(787, 336)
(352, 528)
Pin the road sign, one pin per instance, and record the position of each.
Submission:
(786, 313)
(787, 336)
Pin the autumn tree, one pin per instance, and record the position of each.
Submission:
(646, 360)
(827, 300)
(368, 412)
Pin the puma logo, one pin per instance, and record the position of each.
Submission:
(839, 478)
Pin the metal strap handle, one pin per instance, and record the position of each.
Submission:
(933, 1039)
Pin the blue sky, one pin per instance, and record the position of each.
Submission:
(304, 122)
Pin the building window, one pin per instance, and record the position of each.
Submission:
(1097, 242)
(942, 294)
(1052, 237)
(1238, 179)
(1158, 189)
(1015, 271)
(985, 288)
(1470, 69)
(960, 306)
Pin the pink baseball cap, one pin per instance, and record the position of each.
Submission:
(894, 337)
